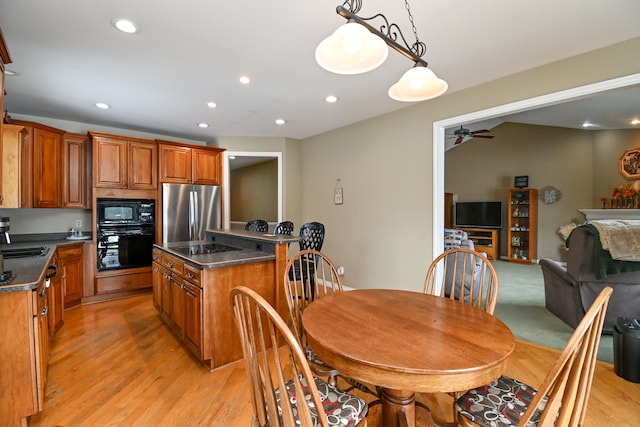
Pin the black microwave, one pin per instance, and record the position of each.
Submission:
(125, 211)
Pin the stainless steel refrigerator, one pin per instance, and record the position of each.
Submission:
(188, 210)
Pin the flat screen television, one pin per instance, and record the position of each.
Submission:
(478, 214)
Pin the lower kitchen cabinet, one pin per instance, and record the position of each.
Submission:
(55, 294)
(71, 273)
(194, 303)
(24, 354)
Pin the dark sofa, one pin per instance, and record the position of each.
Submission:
(570, 292)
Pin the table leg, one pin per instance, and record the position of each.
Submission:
(398, 405)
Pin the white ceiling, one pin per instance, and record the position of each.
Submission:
(68, 57)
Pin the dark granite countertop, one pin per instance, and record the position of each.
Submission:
(219, 259)
(28, 272)
(251, 247)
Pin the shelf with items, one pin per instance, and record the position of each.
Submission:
(523, 225)
(484, 240)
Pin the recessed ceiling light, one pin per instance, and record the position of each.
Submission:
(331, 99)
(244, 80)
(9, 72)
(280, 121)
(635, 122)
(203, 125)
(103, 105)
(125, 25)
(211, 104)
(588, 125)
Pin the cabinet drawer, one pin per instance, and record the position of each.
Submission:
(125, 282)
(192, 273)
(156, 255)
(171, 262)
(69, 251)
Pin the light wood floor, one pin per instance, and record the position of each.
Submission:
(116, 364)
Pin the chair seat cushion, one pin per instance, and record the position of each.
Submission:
(499, 404)
(342, 409)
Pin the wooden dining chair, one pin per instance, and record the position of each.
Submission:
(560, 401)
(464, 275)
(310, 274)
(284, 391)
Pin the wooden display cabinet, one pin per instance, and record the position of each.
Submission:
(522, 238)
(485, 240)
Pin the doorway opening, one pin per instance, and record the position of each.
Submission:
(491, 113)
(235, 160)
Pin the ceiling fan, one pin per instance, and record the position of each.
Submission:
(463, 133)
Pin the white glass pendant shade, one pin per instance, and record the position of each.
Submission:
(418, 84)
(351, 49)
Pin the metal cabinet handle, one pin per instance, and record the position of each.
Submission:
(45, 311)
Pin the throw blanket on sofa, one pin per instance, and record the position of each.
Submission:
(603, 263)
(620, 237)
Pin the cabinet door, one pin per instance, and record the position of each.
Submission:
(74, 171)
(72, 275)
(166, 293)
(56, 304)
(26, 169)
(156, 283)
(12, 136)
(109, 163)
(177, 305)
(143, 163)
(175, 164)
(206, 166)
(193, 318)
(46, 168)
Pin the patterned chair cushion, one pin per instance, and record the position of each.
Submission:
(342, 409)
(313, 357)
(499, 404)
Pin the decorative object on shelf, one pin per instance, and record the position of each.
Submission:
(550, 194)
(521, 181)
(630, 163)
(624, 196)
(358, 47)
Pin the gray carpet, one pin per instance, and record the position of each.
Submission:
(521, 307)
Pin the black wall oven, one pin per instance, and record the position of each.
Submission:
(126, 233)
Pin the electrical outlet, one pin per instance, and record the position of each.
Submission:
(341, 271)
(78, 223)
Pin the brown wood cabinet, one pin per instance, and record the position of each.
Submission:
(485, 240)
(12, 136)
(24, 354)
(190, 164)
(74, 170)
(55, 294)
(40, 165)
(71, 273)
(522, 236)
(122, 162)
(194, 302)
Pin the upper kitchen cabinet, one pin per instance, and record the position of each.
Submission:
(40, 165)
(5, 58)
(122, 162)
(12, 136)
(189, 164)
(74, 170)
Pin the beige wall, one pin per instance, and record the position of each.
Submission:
(254, 192)
(382, 234)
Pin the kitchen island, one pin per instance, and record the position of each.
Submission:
(192, 281)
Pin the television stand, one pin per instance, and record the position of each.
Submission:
(484, 240)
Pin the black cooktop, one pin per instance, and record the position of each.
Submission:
(209, 248)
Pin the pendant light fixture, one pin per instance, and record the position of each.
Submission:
(358, 47)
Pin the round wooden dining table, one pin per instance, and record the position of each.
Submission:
(407, 342)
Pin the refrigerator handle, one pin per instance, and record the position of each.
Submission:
(193, 215)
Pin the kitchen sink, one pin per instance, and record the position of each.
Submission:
(33, 251)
